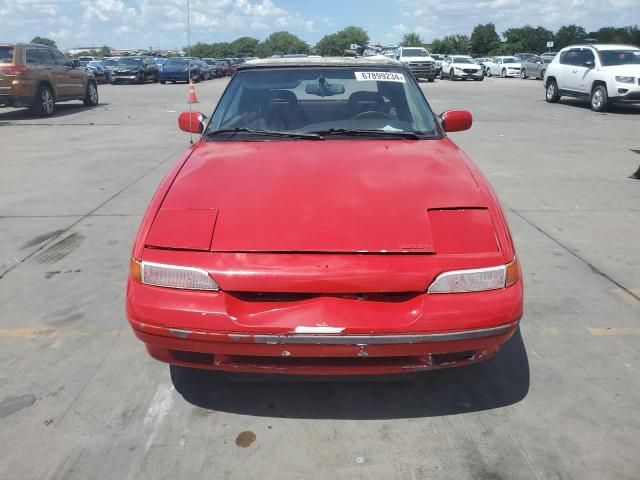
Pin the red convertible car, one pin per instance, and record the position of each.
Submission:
(324, 224)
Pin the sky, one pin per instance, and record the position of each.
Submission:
(162, 23)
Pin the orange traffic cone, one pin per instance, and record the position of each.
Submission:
(192, 93)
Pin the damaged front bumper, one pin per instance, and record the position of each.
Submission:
(216, 331)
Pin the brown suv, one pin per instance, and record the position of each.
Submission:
(37, 76)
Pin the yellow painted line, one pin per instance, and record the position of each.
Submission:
(612, 331)
(551, 331)
(40, 332)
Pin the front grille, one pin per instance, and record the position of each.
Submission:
(469, 70)
(300, 297)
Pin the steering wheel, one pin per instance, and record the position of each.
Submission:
(372, 114)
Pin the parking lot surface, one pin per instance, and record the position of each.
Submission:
(80, 398)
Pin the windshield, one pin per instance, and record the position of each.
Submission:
(6, 54)
(313, 100)
(95, 64)
(130, 61)
(463, 60)
(110, 61)
(619, 57)
(511, 60)
(414, 52)
(177, 61)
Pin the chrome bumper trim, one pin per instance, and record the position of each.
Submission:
(372, 339)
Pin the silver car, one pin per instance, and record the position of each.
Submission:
(535, 66)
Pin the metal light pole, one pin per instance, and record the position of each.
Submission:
(189, 66)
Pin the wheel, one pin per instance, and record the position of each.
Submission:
(162, 82)
(44, 104)
(431, 79)
(91, 96)
(599, 99)
(542, 74)
(552, 92)
(141, 78)
(488, 72)
(523, 74)
(480, 78)
(452, 77)
(504, 73)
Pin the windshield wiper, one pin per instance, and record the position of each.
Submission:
(367, 133)
(265, 133)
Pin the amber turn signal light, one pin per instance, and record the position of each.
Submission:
(135, 270)
(513, 272)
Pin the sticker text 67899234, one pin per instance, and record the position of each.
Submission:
(380, 76)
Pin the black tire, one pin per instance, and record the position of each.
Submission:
(431, 79)
(142, 78)
(452, 76)
(480, 78)
(599, 99)
(542, 74)
(504, 73)
(44, 103)
(162, 82)
(488, 72)
(91, 95)
(523, 74)
(551, 94)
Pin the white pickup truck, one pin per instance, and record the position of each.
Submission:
(419, 61)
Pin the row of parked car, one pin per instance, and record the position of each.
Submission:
(522, 65)
(141, 69)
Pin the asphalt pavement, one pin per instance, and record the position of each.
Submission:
(80, 398)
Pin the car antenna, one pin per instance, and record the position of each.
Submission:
(189, 68)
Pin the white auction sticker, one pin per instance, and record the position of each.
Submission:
(380, 76)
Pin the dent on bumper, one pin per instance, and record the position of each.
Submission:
(175, 326)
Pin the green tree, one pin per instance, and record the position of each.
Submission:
(528, 39)
(244, 47)
(44, 41)
(337, 43)
(568, 35)
(452, 44)
(199, 49)
(627, 35)
(484, 38)
(412, 40)
(282, 43)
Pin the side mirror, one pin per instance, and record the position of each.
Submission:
(191, 122)
(456, 120)
(75, 63)
(589, 64)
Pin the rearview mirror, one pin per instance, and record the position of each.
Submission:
(191, 122)
(456, 120)
(324, 89)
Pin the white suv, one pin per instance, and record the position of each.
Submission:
(603, 74)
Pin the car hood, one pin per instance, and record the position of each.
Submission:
(175, 68)
(417, 59)
(512, 65)
(623, 70)
(466, 65)
(315, 196)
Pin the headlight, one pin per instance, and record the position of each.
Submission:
(172, 276)
(476, 280)
(625, 79)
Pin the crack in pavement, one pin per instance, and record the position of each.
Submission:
(84, 217)
(593, 268)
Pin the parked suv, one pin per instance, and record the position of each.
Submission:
(37, 76)
(419, 61)
(603, 74)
